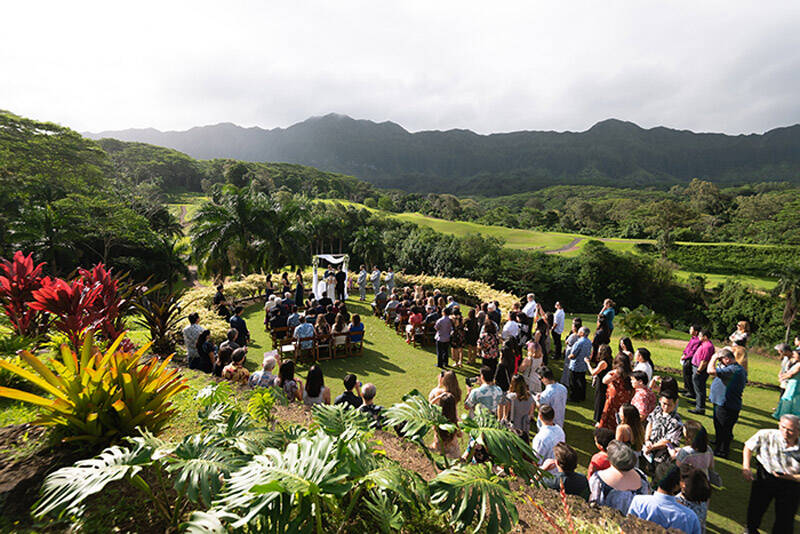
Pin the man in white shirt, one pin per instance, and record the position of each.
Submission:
(531, 307)
(511, 328)
(558, 328)
(549, 435)
(554, 395)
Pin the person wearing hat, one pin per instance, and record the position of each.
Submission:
(617, 486)
(726, 397)
(661, 507)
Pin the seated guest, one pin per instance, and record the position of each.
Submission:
(414, 320)
(304, 330)
(348, 397)
(238, 322)
(231, 340)
(356, 327)
(433, 314)
(566, 462)
(206, 353)
(487, 394)
(278, 321)
(224, 357)
(322, 328)
(288, 383)
(288, 301)
(339, 330)
(369, 407)
(390, 310)
(550, 434)
(264, 378)
(599, 461)
(324, 302)
(342, 310)
(235, 371)
(190, 335)
(380, 301)
(294, 318)
(330, 315)
(616, 486)
(661, 507)
(315, 391)
(451, 302)
(312, 310)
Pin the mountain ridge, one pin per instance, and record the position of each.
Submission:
(610, 152)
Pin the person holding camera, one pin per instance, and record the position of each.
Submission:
(726, 397)
(487, 394)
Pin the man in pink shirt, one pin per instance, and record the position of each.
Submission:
(700, 361)
(686, 361)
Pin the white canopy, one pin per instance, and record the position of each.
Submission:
(320, 286)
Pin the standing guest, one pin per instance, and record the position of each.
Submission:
(444, 329)
(566, 477)
(529, 367)
(269, 287)
(264, 378)
(235, 371)
(221, 303)
(599, 461)
(664, 429)
(696, 453)
(511, 328)
(448, 383)
(489, 344)
(530, 308)
(558, 329)
(626, 347)
(790, 400)
(315, 391)
(741, 335)
(630, 430)
(286, 286)
(577, 323)
(542, 336)
(457, 339)
(554, 395)
(389, 279)
(494, 313)
(726, 397)
(370, 408)
(700, 371)
(644, 362)
(608, 312)
(230, 341)
(520, 406)
(619, 390)
(356, 329)
(487, 394)
(785, 353)
(604, 365)
(238, 322)
(288, 383)
(471, 332)
(777, 474)
(444, 442)
(695, 493)
(341, 278)
(505, 368)
(616, 486)
(602, 335)
(661, 507)
(298, 289)
(643, 397)
(362, 283)
(581, 351)
(206, 353)
(375, 278)
(549, 435)
(686, 361)
(740, 354)
(349, 398)
(190, 335)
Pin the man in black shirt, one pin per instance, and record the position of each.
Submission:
(341, 277)
(221, 304)
(348, 397)
(278, 320)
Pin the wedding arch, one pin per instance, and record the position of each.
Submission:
(318, 286)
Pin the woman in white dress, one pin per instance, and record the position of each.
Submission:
(331, 290)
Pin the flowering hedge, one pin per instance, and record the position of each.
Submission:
(463, 286)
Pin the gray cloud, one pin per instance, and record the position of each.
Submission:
(708, 66)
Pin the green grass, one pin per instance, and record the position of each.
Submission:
(713, 280)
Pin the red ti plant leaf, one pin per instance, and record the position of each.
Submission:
(72, 304)
(109, 302)
(19, 278)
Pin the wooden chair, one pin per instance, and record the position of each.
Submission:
(311, 349)
(323, 345)
(287, 345)
(418, 336)
(279, 335)
(355, 348)
(429, 334)
(340, 348)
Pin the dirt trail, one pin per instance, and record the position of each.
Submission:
(569, 247)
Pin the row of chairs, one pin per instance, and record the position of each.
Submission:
(320, 347)
(423, 334)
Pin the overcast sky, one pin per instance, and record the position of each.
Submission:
(706, 66)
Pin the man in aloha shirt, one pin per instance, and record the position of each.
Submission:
(302, 330)
(664, 429)
(487, 394)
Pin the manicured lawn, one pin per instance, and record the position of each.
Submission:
(396, 368)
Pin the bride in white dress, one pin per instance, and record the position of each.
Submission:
(331, 291)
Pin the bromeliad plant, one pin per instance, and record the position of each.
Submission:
(99, 397)
(160, 312)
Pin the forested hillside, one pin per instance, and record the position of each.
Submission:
(612, 153)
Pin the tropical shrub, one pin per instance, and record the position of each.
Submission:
(461, 286)
(19, 278)
(160, 312)
(71, 304)
(112, 301)
(733, 302)
(99, 397)
(642, 322)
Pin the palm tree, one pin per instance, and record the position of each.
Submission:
(789, 288)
